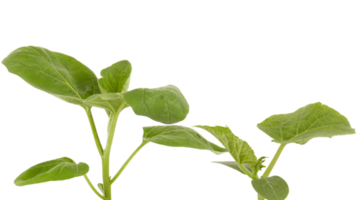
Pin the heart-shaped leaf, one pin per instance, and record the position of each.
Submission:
(53, 170)
(313, 120)
(271, 188)
(55, 73)
(165, 104)
(116, 78)
(179, 136)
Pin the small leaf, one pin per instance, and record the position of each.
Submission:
(165, 104)
(258, 166)
(313, 120)
(116, 78)
(112, 102)
(179, 136)
(239, 149)
(234, 165)
(55, 73)
(271, 188)
(101, 187)
(53, 170)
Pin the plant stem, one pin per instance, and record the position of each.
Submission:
(93, 128)
(93, 188)
(273, 162)
(271, 165)
(106, 156)
(128, 161)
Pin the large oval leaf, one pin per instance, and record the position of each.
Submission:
(53, 170)
(179, 136)
(55, 73)
(271, 188)
(116, 78)
(165, 104)
(313, 120)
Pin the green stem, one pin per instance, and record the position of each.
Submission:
(93, 128)
(106, 156)
(128, 161)
(248, 173)
(271, 165)
(93, 188)
(273, 162)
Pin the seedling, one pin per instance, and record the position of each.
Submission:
(67, 79)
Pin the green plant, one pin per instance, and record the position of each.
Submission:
(64, 77)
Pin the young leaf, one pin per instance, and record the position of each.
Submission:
(165, 104)
(239, 149)
(313, 120)
(112, 102)
(258, 166)
(271, 188)
(53, 170)
(101, 187)
(116, 78)
(234, 165)
(55, 73)
(179, 136)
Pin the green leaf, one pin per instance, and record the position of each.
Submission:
(271, 188)
(165, 104)
(55, 73)
(234, 165)
(101, 187)
(116, 78)
(239, 149)
(313, 120)
(179, 136)
(112, 102)
(53, 170)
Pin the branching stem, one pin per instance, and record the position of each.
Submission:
(95, 133)
(92, 187)
(273, 162)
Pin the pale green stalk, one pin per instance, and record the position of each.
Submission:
(271, 165)
(128, 161)
(273, 162)
(106, 156)
(248, 173)
(93, 128)
(92, 187)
